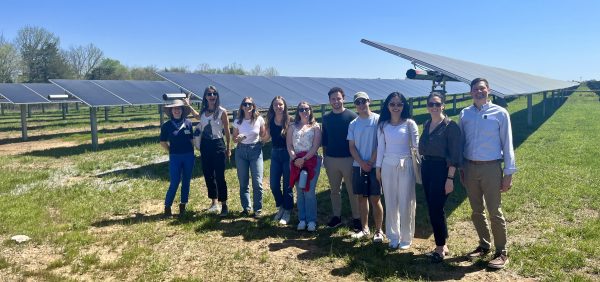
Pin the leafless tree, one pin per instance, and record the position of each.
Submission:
(83, 59)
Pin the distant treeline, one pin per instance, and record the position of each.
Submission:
(35, 55)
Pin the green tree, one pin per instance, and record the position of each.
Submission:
(9, 61)
(144, 73)
(83, 59)
(109, 69)
(42, 59)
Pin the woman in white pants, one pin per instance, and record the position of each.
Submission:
(396, 132)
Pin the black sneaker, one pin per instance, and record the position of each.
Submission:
(258, 214)
(245, 213)
(356, 225)
(181, 210)
(334, 222)
(224, 210)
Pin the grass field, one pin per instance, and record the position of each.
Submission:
(96, 215)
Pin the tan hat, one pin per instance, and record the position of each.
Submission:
(177, 103)
(361, 95)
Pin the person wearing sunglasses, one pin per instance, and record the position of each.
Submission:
(278, 121)
(396, 133)
(303, 141)
(248, 129)
(176, 138)
(362, 139)
(440, 146)
(487, 143)
(214, 138)
(338, 160)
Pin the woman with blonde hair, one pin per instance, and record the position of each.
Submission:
(303, 141)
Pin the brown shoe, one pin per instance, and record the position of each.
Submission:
(478, 253)
(499, 261)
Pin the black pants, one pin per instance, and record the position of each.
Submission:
(434, 173)
(212, 154)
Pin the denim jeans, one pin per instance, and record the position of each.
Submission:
(180, 169)
(307, 201)
(280, 166)
(249, 158)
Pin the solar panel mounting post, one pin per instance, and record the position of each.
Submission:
(43, 110)
(160, 113)
(106, 113)
(94, 128)
(544, 104)
(530, 110)
(64, 111)
(28, 111)
(454, 103)
(24, 122)
(1, 109)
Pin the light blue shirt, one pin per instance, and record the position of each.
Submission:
(487, 135)
(363, 131)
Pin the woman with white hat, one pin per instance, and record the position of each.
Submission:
(176, 138)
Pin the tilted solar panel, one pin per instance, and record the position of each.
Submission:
(503, 82)
(90, 93)
(17, 93)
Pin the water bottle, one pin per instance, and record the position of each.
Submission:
(302, 179)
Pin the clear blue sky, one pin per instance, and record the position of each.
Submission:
(554, 38)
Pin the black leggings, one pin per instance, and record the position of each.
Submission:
(212, 154)
(434, 175)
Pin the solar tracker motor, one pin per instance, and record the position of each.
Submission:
(427, 75)
(173, 96)
(59, 96)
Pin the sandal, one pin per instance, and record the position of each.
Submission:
(436, 257)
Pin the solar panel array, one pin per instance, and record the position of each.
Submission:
(503, 82)
(102, 93)
(233, 88)
(30, 93)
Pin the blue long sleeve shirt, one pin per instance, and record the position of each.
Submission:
(487, 135)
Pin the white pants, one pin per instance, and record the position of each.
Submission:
(398, 183)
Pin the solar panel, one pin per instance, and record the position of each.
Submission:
(295, 89)
(503, 82)
(16, 93)
(45, 89)
(90, 93)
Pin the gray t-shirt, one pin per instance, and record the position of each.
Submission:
(363, 131)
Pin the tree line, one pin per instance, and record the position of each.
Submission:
(35, 55)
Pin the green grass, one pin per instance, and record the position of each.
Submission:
(99, 212)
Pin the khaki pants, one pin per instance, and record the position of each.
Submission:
(338, 168)
(483, 183)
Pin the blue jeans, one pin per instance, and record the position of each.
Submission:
(307, 201)
(280, 166)
(180, 169)
(248, 157)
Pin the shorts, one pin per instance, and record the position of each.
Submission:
(365, 183)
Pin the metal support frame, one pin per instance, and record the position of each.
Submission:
(28, 111)
(77, 106)
(106, 109)
(1, 109)
(64, 111)
(544, 104)
(530, 110)
(410, 102)
(24, 122)
(323, 108)
(454, 103)
(94, 128)
(122, 109)
(43, 109)
(161, 116)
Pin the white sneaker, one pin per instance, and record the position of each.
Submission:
(278, 214)
(378, 238)
(404, 245)
(285, 218)
(312, 226)
(301, 225)
(360, 234)
(214, 208)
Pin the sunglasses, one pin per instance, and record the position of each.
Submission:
(359, 102)
(434, 104)
(247, 104)
(302, 110)
(396, 104)
(211, 94)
